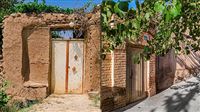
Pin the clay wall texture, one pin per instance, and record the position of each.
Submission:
(172, 68)
(27, 59)
(92, 52)
(27, 51)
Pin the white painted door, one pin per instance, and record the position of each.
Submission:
(75, 71)
(67, 66)
(58, 77)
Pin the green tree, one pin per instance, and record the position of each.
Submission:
(6, 4)
(174, 24)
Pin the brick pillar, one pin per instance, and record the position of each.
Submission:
(152, 76)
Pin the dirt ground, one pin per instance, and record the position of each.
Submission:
(66, 103)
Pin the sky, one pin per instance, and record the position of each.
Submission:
(75, 3)
(67, 3)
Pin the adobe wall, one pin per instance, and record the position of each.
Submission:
(27, 51)
(172, 69)
(92, 51)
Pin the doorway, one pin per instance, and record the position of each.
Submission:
(67, 64)
(136, 75)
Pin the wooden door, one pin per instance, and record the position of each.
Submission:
(67, 66)
(137, 76)
(166, 68)
(75, 71)
(58, 75)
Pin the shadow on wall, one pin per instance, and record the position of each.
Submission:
(190, 62)
(171, 68)
(112, 98)
(166, 68)
(25, 54)
(180, 100)
(115, 99)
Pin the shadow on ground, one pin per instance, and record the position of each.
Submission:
(179, 101)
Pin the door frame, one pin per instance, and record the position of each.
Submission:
(129, 77)
(67, 63)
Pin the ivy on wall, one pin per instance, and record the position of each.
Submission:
(174, 24)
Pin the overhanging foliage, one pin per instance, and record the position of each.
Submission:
(174, 24)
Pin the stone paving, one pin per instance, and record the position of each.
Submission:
(182, 97)
(66, 103)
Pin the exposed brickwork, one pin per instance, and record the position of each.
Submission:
(119, 78)
(106, 84)
(120, 68)
(106, 71)
(114, 97)
(152, 76)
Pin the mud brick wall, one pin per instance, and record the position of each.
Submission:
(92, 52)
(36, 58)
(26, 60)
(172, 69)
(12, 53)
(27, 51)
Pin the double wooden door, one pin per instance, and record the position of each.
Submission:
(67, 66)
(136, 75)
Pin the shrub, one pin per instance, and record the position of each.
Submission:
(4, 98)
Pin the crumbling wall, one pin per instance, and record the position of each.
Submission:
(92, 52)
(27, 51)
(26, 57)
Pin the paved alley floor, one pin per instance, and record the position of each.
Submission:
(182, 97)
(66, 103)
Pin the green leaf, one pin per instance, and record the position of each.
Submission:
(105, 20)
(118, 11)
(109, 13)
(147, 16)
(159, 7)
(123, 6)
(174, 12)
(136, 24)
(168, 16)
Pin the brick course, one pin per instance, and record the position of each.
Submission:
(113, 97)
